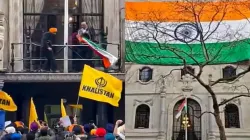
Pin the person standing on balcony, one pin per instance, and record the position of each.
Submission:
(48, 50)
(85, 52)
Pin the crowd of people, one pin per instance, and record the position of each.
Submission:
(41, 131)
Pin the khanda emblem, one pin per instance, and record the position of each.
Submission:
(186, 32)
(100, 82)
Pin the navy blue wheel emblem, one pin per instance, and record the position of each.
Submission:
(186, 32)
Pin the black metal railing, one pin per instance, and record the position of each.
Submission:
(34, 63)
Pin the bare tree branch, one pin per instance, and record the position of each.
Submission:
(230, 99)
(206, 112)
(231, 78)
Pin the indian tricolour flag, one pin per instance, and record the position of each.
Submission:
(108, 58)
(159, 32)
(181, 107)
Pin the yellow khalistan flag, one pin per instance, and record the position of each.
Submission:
(63, 111)
(33, 115)
(99, 86)
(6, 102)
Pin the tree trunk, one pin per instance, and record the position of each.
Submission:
(217, 114)
(220, 126)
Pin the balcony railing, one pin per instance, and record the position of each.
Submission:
(32, 59)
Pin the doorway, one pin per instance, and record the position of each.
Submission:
(192, 118)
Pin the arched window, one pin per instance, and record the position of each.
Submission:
(145, 74)
(229, 71)
(192, 117)
(232, 116)
(142, 116)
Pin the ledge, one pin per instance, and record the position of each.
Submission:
(47, 77)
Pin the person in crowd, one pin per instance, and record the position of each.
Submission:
(119, 131)
(87, 32)
(30, 136)
(9, 130)
(15, 136)
(110, 130)
(22, 131)
(93, 132)
(48, 50)
(100, 133)
(109, 136)
(44, 134)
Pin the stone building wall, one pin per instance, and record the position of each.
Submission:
(162, 102)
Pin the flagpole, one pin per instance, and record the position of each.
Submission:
(77, 102)
(186, 134)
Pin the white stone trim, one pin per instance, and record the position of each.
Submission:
(170, 116)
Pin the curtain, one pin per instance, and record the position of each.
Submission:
(94, 7)
(33, 6)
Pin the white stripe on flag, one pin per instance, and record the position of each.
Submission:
(178, 114)
(180, 108)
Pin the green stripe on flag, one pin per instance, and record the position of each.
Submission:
(151, 53)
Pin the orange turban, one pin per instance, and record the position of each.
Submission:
(92, 132)
(71, 127)
(19, 124)
(53, 30)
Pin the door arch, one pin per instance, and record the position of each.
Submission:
(194, 120)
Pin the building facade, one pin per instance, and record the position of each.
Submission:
(153, 103)
(22, 23)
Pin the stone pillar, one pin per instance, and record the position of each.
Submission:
(162, 134)
(16, 31)
(4, 50)
(1, 40)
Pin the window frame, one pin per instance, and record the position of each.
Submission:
(149, 116)
(229, 125)
(150, 76)
(224, 74)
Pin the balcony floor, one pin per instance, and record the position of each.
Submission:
(47, 77)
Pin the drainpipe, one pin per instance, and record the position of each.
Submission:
(122, 36)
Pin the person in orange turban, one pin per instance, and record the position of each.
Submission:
(48, 50)
(93, 132)
(53, 30)
(19, 124)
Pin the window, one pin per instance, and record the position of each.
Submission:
(145, 74)
(142, 116)
(229, 71)
(184, 71)
(232, 116)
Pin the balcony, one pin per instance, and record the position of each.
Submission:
(29, 67)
